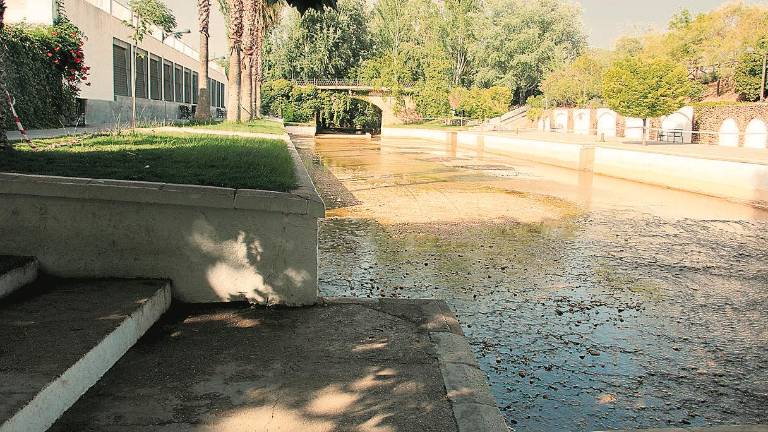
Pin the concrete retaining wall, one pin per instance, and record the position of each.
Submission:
(732, 180)
(215, 244)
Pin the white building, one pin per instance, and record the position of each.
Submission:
(166, 69)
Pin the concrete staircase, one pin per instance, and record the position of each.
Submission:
(58, 337)
(511, 120)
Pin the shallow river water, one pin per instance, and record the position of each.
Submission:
(591, 303)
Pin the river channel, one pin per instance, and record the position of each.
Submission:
(591, 303)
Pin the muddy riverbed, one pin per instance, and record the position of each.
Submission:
(591, 303)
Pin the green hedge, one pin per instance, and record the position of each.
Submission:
(45, 67)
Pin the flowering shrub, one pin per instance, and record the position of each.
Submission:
(66, 53)
(46, 68)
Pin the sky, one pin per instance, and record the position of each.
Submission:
(604, 20)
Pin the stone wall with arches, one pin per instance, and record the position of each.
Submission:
(736, 125)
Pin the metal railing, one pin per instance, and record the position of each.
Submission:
(341, 83)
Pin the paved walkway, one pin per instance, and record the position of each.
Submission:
(703, 151)
(343, 365)
(14, 136)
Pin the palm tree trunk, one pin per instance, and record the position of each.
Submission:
(235, 46)
(257, 86)
(246, 94)
(203, 111)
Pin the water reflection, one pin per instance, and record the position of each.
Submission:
(592, 303)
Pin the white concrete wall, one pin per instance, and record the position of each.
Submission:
(30, 11)
(733, 180)
(582, 119)
(681, 119)
(561, 120)
(728, 135)
(606, 122)
(633, 128)
(215, 244)
(756, 134)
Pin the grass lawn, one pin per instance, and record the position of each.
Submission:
(207, 160)
(256, 126)
(431, 124)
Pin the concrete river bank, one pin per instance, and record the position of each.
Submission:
(591, 302)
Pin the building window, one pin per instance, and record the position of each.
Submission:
(221, 95)
(141, 74)
(187, 86)
(178, 84)
(211, 93)
(155, 78)
(121, 68)
(168, 81)
(194, 88)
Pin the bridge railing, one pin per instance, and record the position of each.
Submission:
(336, 82)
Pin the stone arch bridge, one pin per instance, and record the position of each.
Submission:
(381, 97)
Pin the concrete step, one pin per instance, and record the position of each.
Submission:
(58, 337)
(15, 272)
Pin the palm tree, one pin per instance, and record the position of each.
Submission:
(269, 17)
(203, 18)
(233, 11)
(250, 18)
(235, 34)
(3, 137)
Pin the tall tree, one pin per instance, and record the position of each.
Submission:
(203, 19)
(235, 35)
(251, 14)
(519, 41)
(269, 17)
(144, 15)
(458, 30)
(3, 137)
(234, 12)
(645, 88)
(322, 44)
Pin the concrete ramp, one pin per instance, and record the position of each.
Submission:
(57, 339)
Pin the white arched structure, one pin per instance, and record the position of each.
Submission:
(547, 124)
(606, 122)
(756, 134)
(561, 120)
(581, 121)
(633, 128)
(681, 119)
(729, 133)
(540, 124)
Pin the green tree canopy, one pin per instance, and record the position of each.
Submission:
(330, 43)
(577, 84)
(520, 41)
(644, 88)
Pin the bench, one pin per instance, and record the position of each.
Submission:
(672, 134)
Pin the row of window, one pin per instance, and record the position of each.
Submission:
(159, 79)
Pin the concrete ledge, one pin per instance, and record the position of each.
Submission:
(215, 244)
(57, 396)
(18, 276)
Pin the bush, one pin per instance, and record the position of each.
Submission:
(44, 72)
(480, 103)
(748, 75)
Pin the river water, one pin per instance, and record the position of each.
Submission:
(591, 303)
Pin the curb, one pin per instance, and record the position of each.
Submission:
(474, 408)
